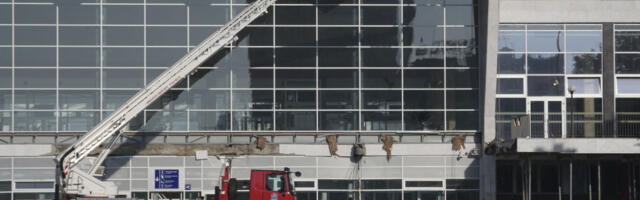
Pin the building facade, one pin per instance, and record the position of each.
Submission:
(497, 73)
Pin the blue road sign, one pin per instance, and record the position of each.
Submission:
(187, 186)
(167, 179)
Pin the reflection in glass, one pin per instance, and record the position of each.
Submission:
(252, 99)
(129, 36)
(253, 121)
(208, 15)
(81, 57)
(462, 120)
(627, 63)
(295, 36)
(210, 78)
(165, 121)
(79, 35)
(461, 36)
(423, 15)
(6, 57)
(381, 57)
(510, 86)
(587, 115)
(627, 41)
(123, 78)
(5, 121)
(381, 120)
(255, 36)
(296, 120)
(171, 100)
(34, 121)
(112, 99)
(24, 57)
(511, 41)
(545, 64)
(545, 86)
(628, 85)
(79, 78)
(460, 15)
(35, 14)
(251, 57)
(34, 100)
(584, 41)
(293, 99)
(539, 41)
(462, 99)
(79, 100)
(35, 78)
(78, 121)
(423, 36)
(338, 120)
(252, 78)
(337, 36)
(74, 12)
(424, 121)
(38, 35)
(5, 99)
(584, 63)
(396, 195)
(6, 79)
(511, 63)
(381, 78)
(420, 195)
(337, 57)
(295, 78)
(338, 99)
(198, 33)
(208, 120)
(422, 78)
(6, 14)
(337, 15)
(462, 57)
(164, 57)
(337, 78)
(462, 78)
(166, 36)
(123, 57)
(298, 15)
(380, 15)
(508, 109)
(166, 14)
(382, 99)
(380, 36)
(118, 14)
(585, 85)
(295, 57)
(423, 100)
(424, 57)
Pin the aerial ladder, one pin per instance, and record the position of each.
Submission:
(77, 183)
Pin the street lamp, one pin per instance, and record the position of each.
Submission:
(572, 89)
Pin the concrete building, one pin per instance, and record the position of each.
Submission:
(495, 73)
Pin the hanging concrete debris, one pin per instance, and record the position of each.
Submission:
(261, 142)
(333, 145)
(388, 143)
(457, 142)
(357, 152)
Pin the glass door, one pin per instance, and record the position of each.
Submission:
(547, 117)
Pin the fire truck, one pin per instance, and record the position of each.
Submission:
(76, 183)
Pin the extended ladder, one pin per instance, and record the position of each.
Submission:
(77, 182)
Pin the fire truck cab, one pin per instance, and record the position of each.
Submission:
(264, 185)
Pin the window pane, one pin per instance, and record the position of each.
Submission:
(463, 195)
(381, 120)
(207, 14)
(337, 15)
(295, 36)
(35, 14)
(35, 121)
(545, 86)
(423, 100)
(303, 120)
(74, 12)
(423, 78)
(381, 57)
(123, 57)
(545, 63)
(154, 73)
(165, 121)
(5, 185)
(628, 86)
(423, 120)
(381, 78)
(6, 79)
(5, 99)
(34, 185)
(305, 57)
(78, 121)
(31, 35)
(419, 195)
(461, 36)
(584, 41)
(338, 121)
(584, 63)
(380, 15)
(338, 36)
(113, 99)
(164, 57)
(166, 36)
(210, 99)
(627, 63)
(198, 34)
(5, 14)
(117, 14)
(585, 85)
(628, 41)
(424, 57)
(382, 184)
(460, 15)
(510, 41)
(253, 121)
(545, 41)
(511, 63)
(510, 86)
(462, 78)
(5, 124)
(382, 100)
(295, 78)
(423, 15)
(253, 78)
(252, 99)
(303, 15)
(462, 120)
(331, 78)
(171, 100)
(204, 121)
(79, 78)
(210, 78)
(337, 57)
(462, 99)
(462, 57)
(24, 56)
(6, 57)
(338, 99)
(81, 57)
(35, 100)
(290, 99)
(423, 36)
(423, 184)
(166, 14)
(380, 36)
(5, 35)
(123, 78)
(79, 100)
(79, 35)
(255, 36)
(129, 36)
(35, 78)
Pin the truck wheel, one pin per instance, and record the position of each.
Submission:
(233, 189)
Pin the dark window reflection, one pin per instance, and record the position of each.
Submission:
(460, 15)
(295, 78)
(380, 1)
(338, 99)
(511, 63)
(545, 63)
(423, 78)
(424, 57)
(210, 78)
(338, 78)
(462, 78)
(462, 120)
(209, 99)
(197, 34)
(628, 41)
(382, 195)
(337, 57)
(34, 100)
(627, 63)
(545, 85)
(423, 36)
(423, 15)
(296, 36)
(547, 41)
(296, 57)
(171, 100)
(423, 100)
(381, 57)
(506, 110)
(252, 99)
(296, 120)
(337, 15)
(79, 35)
(587, 117)
(163, 57)
(424, 121)
(584, 63)
(73, 12)
(121, 57)
(461, 36)
(208, 120)
(296, 15)
(122, 78)
(382, 99)
(381, 78)
(462, 99)
(296, 99)
(338, 121)
(511, 41)
(465, 57)
(253, 121)
(252, 78)
(35, 78)
(338, 36)
(203, 14)
(255, 36)
(380, 15)
(380, 36)
(419, 195)
(381, 121)
(510, 86)
(584, 41)
(460, 195)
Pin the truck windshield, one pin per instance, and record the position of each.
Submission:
(275, 182)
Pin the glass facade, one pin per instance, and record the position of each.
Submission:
(367, 65)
